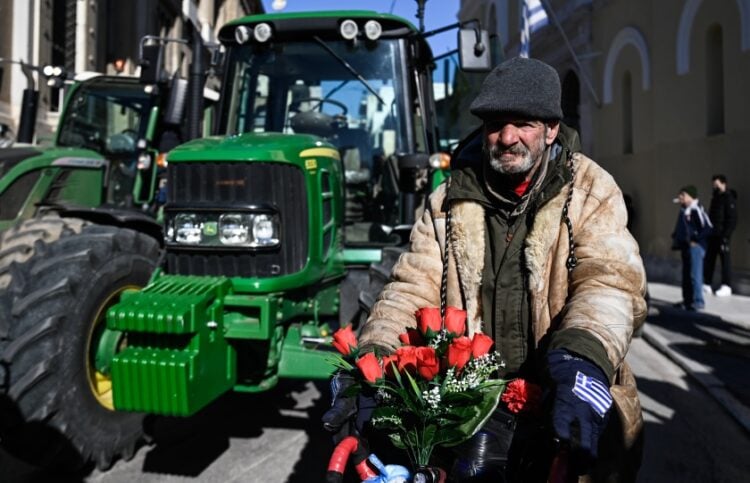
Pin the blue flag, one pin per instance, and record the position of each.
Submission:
(533, 17)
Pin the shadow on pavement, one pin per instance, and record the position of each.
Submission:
(313, 460)
(686, 442)
(186, 447)
(721, 346)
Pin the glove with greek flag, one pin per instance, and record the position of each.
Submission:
(582, 400)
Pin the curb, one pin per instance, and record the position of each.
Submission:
(702, 374)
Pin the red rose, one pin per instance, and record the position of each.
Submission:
(388, 365)
(428, 318)
(407, 358)
(411, 337)
(455, 321)
(481, 344)
(370, 367)
(427, 363)
(522, 396)
(344, 340)
(459, 352)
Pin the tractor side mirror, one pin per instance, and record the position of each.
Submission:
(175, 109)
(474, 50)
(216, 56)
(413, 172)
(150, 63)
(6, 139)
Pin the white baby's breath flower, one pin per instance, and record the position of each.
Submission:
(392, 419)
(383, 396)
(441, 336)
(432, 397)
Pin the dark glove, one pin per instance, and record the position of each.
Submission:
(484, 456)
(346, 409)
(581, 405)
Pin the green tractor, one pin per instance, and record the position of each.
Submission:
(99, 181)
(327, 123)
(109, 148)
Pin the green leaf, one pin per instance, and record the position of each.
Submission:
(477, 415)
(397, 440)
(340, 363)
(462, 398)
(397, 375)
(428, 436)
(414, 387)
(404, 396)
(447, 435)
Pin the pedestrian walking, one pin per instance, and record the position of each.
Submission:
(530, 238)
(723, 215)
(690, 236)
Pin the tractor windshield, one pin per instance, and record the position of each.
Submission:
(106, 117)
(109, 115)
(355, 95)
(310, 87)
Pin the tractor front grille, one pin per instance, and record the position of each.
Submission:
(241, 185)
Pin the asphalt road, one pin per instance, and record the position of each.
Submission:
(276, 437)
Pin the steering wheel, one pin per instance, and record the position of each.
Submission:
(123, 142)
(317, 122)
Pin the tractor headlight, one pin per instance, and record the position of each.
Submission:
(262, 32)
(242, 34)
(349, 29)
(245, 229)
(373, 29)
(187, 229)
(234, 229)
(265, 231)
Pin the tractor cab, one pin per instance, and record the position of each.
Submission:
(110, 116)
(350, 78)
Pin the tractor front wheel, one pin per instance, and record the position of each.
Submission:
(55, 402)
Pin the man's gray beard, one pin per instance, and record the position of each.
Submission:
(494, 153)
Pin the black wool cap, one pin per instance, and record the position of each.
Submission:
(689, 189)
(528, 88)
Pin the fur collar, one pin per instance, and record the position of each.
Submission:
(468, 246)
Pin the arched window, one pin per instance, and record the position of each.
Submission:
(714, 80)
(571, 99)
(627, 113)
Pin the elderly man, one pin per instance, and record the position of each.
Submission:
(541, 260)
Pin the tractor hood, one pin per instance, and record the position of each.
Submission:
(252, 147)
(10, 157)
(37, 157)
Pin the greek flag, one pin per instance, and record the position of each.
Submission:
(533, 17)
(593, 392)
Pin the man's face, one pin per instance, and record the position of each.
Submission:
(718, 185)
(515, 146)
(685, 199)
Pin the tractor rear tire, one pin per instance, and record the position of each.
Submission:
(17, 243)
(54, 411)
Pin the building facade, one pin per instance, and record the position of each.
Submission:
(94, 35)
(658, 91)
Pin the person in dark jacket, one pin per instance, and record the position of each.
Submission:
(690, 236)
(723, 215)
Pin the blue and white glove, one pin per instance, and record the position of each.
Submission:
(582, 401)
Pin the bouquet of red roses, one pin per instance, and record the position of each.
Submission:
(438, 388)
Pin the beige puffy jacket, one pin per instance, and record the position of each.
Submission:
(602, 296)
